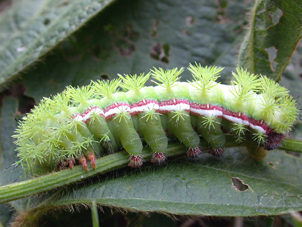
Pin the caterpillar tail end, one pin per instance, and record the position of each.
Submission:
(135, 161)
(273, 141)
(194, 152)
(158, 158)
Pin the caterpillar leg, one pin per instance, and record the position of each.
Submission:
(98, 126)
(66, 163)
(210, 129)
(158, 158)
(83, 161)
(194, 152)
(135, 161)
(179, 122)
(151, 130)
(122, 127)
(217, 152)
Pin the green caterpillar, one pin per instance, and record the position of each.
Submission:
(82, 123)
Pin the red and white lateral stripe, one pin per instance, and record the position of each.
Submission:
(116, 108)
(85, 117)
(236, 117)
(88, 113)
(143, 106)
(174, 105)
(206, 110)
(77, 117)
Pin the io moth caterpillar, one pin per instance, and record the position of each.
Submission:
(82, 123)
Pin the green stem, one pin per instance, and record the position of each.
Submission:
(291, 145)
(95, 216)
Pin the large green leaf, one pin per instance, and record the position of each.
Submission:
(31, 28)
(274, 31)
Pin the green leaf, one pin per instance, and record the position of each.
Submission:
(274, 31)
(31, 28)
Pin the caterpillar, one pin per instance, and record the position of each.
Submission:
(80, 124)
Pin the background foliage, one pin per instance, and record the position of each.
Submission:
(47, 45)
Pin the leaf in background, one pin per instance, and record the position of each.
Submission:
(31, 28)
(7, 154)
(135, 36)
(275, 29)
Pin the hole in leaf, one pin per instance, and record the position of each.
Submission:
(272, 54)
(154, 28)
(160, 52)
(47, 21)
(272, 165)
(104, 76)
(26, 103)
(239, 185)
(275, 14)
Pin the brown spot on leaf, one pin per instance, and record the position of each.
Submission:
(99, 53)
(154, 28)
(124, 40)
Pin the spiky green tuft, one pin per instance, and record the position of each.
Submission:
(290, 114)
(151, 115)
(259, 137)
(105, 88)
(179, 115)
(80, 94)
(272, 89)
(239, 130)
(166, 78)
(245, 85)
(209, 122)
(133, 82)
(204, 77)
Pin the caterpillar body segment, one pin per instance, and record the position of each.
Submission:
(80, 124)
